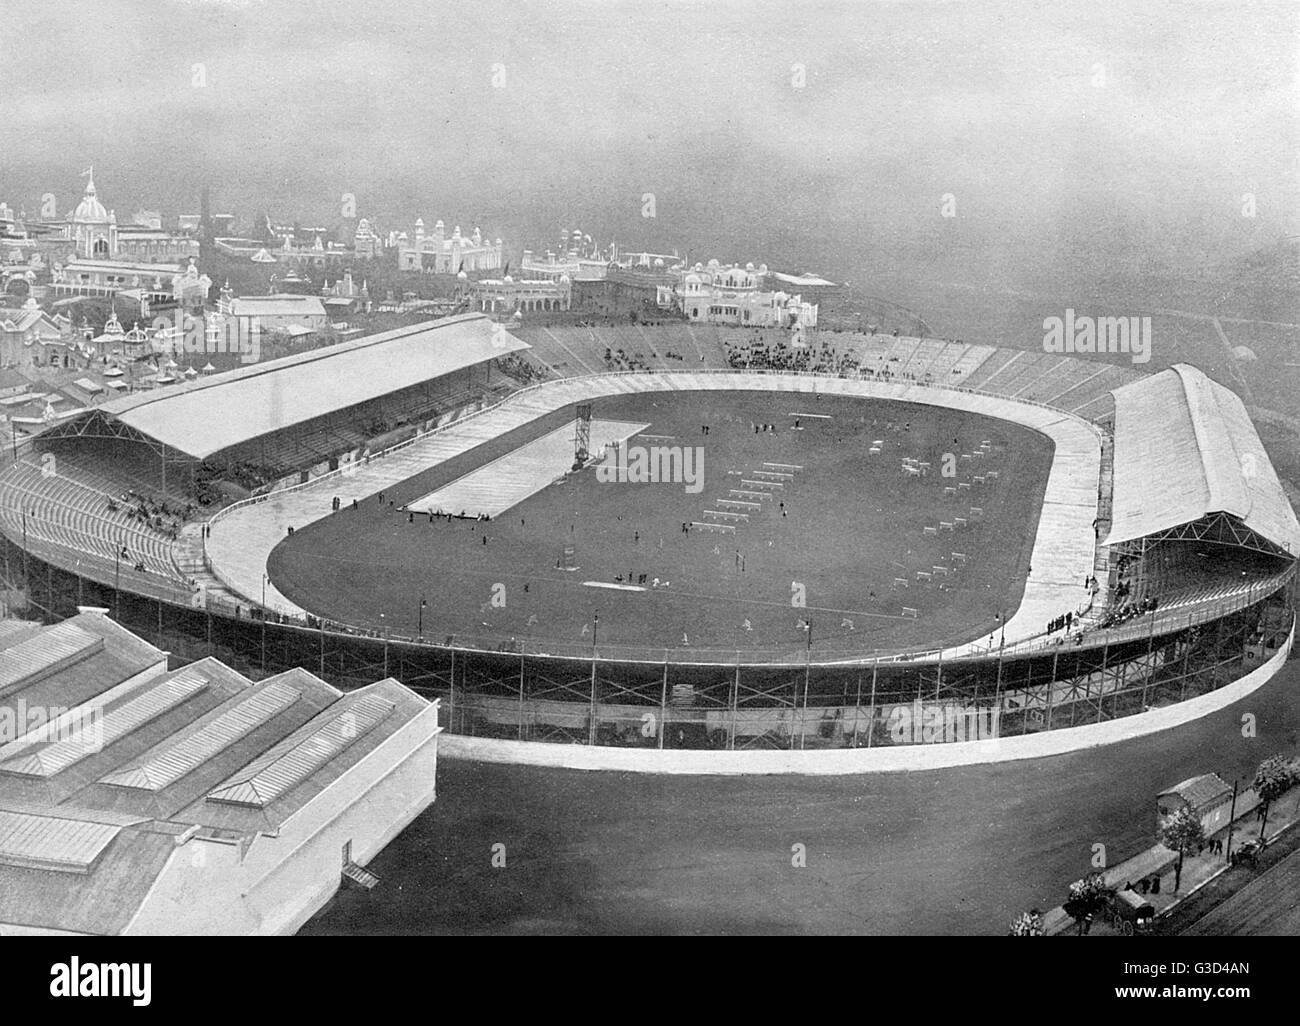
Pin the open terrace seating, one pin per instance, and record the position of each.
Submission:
(67, 510)
(996, 360)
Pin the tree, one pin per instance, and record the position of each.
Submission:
(1272, 780)
(1027, 924)
(1087, 897)
(1181, 833)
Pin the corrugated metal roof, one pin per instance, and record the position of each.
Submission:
(292, 761)
(46, 842)
(94, 730)
(1185, 448)
(1203, 790)
(197, 418)
(49, 651)
(185, 752)
(277, 306)
(14, 631)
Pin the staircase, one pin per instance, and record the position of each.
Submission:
(187, 552)
(359, 875)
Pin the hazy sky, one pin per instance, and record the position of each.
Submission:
(1053, 164)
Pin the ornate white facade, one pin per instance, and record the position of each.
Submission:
(716, 294)
(94, 229)
(437, 253)
(95, 235)
(505, 295)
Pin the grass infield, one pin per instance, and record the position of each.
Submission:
(855, 526)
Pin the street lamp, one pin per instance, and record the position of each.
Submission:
(419, 633)
(264, 580)
(595, 626)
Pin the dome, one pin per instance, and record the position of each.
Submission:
(1244, 353)
(659, 261)
(509, 279)
(564, 279)
(90, 209)
(749, 267)
(462, 276)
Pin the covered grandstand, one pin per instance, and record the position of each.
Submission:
(1173, 508)
(1215, 481)
(112, 490)
(300, 393)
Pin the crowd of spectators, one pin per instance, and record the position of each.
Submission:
(164, 517)
(519, 369)
(1061, 623)
(622, 360)
(1128, 611)
(753, 350)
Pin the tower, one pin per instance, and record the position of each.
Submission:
(205, 216)
(582, 435)
(94, 229)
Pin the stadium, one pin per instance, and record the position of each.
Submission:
(628, 536)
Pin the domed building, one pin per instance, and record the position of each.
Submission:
(94, 229)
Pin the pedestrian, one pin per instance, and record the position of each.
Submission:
(354, 503)
(485, 539)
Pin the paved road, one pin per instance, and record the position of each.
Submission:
(1268, 906)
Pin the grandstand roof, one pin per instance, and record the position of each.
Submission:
(1185, 448)
(216, 412)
